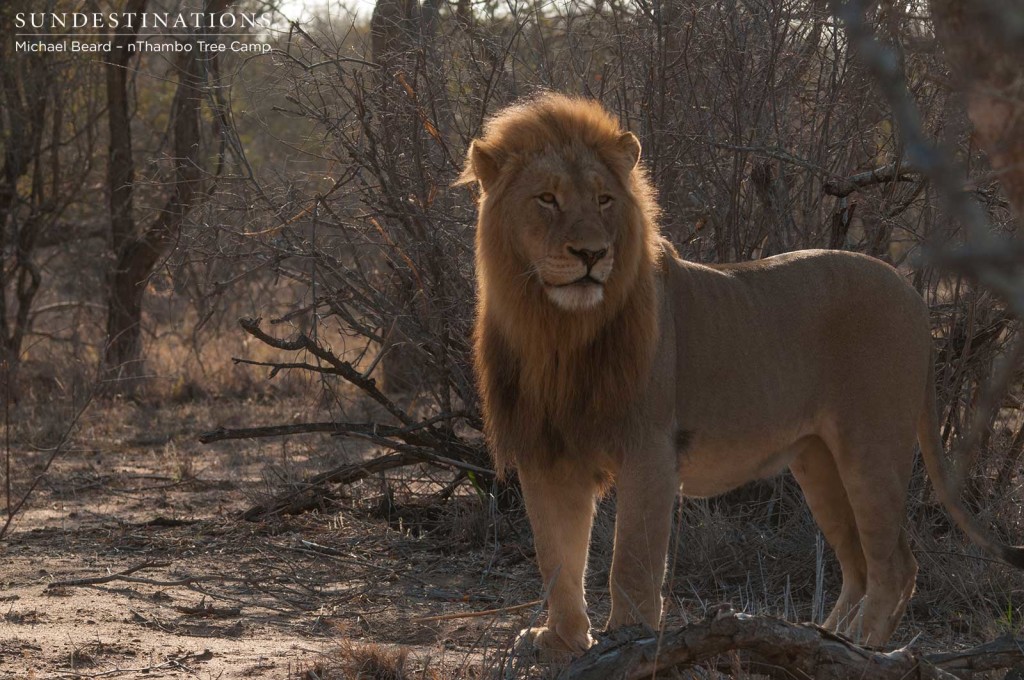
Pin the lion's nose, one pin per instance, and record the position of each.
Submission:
(589, 257)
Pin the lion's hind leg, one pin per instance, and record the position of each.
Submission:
(815, 470)
(875, 471)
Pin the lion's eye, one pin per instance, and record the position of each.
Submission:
(604, 199)
(548, 200)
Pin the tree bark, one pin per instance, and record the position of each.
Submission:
(138, 254)
(396, 30)
(124, 305)
(29, 100)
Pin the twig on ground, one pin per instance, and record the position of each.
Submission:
(109, 577)
(126, 576)
(995, 655)
(416, 435)
(177, 662)
(471, 615)
(223, 433)
(208, 611)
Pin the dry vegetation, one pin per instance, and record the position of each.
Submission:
(322, 205)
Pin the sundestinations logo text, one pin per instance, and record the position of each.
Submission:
(141, 20)
(154, 31)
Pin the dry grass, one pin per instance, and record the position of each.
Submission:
(369, 662)
(190, 351)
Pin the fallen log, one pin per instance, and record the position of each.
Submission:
(796, 650)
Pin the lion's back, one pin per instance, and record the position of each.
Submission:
(794, 331)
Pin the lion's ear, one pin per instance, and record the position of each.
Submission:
(481, 165)
(628, 148)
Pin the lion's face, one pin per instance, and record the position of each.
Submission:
(559, 211)
(570, 219)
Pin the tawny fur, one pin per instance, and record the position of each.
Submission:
(707, 377)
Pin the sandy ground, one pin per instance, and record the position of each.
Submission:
(213, 596)
(131, 560)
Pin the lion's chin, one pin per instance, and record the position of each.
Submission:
(576, 297)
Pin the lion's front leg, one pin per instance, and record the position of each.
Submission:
(560, 505)
(646, 490)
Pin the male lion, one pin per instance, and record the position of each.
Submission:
(602, 356)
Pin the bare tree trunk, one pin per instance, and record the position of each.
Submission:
(396, 31)
(124, 309)
(27, 201)
(394, 28)
(138, 254)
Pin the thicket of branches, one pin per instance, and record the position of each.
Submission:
(764, 131)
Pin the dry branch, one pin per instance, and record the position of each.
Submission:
(14, 507)
(109, 577)
(175, 662)
(336, 365)
(223, 433)
(412, 445)
(933, 163)
(802, 650)
(418, 435)
(893, 172)
(311, 493)
(430, 440)
(995, 655)
(208, 611)
(126, 577)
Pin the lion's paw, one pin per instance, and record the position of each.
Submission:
(551, 648)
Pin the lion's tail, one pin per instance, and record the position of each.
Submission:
(948, 489)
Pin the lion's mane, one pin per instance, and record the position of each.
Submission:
(558, 383)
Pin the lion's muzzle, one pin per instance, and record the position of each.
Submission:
(575, 278)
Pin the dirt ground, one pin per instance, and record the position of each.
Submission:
(213, 596)
(131, 560)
